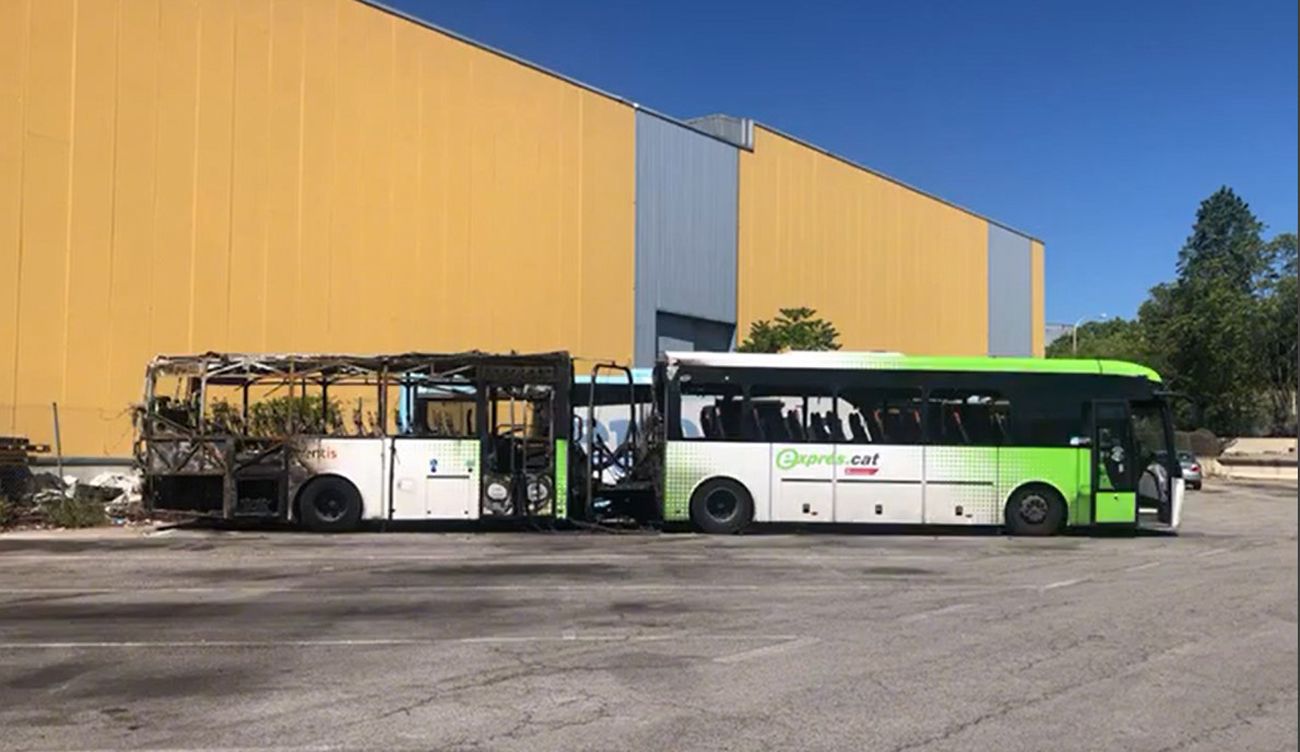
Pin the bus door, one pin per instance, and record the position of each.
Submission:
(1160, 483)
(1114, 489)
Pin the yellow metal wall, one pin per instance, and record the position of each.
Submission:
(184, 175)
(892, 268)
(1037, 274)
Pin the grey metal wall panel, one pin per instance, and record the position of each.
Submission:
(1011, 308)
(686, 204)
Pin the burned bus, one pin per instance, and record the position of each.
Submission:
(330, 441)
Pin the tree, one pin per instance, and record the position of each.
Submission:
(1117, 339)
(793, 329)
(1225, 245)
(1210, 321)
(1276, 333)
(1224, 331)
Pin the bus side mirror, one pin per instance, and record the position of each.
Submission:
(1080, 441)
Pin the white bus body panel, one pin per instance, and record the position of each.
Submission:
(690, 463)
(431, 479)
(435, 479)
(879, 476)
(803, 482)
(837, 482)
(1178, 492)
(961, 486)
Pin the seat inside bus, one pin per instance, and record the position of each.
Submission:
(835, 426)
(856, 428)
(817, 428)
(794, 426)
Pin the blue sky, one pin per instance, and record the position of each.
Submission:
(1096, 126)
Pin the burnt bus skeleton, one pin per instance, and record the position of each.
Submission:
(460, 436)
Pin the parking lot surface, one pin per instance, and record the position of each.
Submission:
(199, 639)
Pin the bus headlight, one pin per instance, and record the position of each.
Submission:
(496, 497)
(540, 491)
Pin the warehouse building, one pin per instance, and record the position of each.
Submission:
(335, 176)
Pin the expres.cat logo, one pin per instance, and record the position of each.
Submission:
(856, 464)
(863, 464)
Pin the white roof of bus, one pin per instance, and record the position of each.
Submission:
(880, 360)
(639, 376)
(791, 359)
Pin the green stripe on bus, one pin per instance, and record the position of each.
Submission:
(561, 478)
(1116, 506)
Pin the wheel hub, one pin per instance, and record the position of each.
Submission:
(1033, 509)
(721, 505)
(330, 508)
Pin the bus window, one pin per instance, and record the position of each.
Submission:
(778, 415)
(711, 412)
(1048, 418)
(883, 416)
(964, 417)
(445, 412)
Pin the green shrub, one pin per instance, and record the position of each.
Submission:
(275, 416)
(10, 512)
(65, 512)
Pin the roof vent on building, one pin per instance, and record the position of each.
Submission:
(738, 131)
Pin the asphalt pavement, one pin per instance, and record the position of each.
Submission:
(206, 640)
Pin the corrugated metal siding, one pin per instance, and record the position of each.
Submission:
(1039, 314)
(686, 196)
(183, 176)
(1011, 294)
(892, 268)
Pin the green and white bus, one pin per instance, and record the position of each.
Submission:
(1034, 445)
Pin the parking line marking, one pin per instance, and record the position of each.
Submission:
(1063, 583)
(1140, 567)
(768, 650)
(532, 558)
(391, 642)
(922, 616)
(277, 748)
(317, 592)
(1213, 552)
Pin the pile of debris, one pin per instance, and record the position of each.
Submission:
(46, 500)
(35, 499)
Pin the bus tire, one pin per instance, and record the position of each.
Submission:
(721, 506)
(1035, 510)
(329, 505)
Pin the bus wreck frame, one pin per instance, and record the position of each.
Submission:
(477, 457)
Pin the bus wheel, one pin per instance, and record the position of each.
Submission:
(1035, 510)
(721, 507)
(330, 505)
